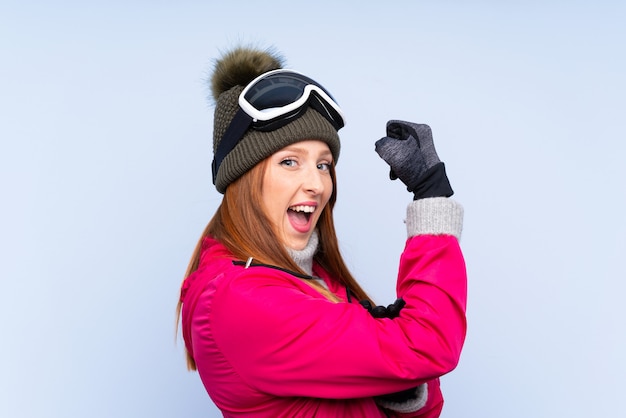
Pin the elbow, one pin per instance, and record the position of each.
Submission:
(442, 348)
(448, 363)
(447, 355)
(449, 338)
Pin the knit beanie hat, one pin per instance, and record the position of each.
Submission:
(233, 71)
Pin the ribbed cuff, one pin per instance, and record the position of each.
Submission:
(434, 216)
(410, 405)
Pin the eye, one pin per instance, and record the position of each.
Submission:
(288, 162)
(324, 166)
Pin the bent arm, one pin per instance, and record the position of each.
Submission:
(285, 339)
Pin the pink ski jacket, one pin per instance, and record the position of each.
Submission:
(266, 344)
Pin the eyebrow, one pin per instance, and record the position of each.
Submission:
(303, 150)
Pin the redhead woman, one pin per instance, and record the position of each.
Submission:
(272, 319)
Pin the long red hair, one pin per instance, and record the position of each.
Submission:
(242, 226)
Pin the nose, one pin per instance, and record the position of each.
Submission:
(313, 183)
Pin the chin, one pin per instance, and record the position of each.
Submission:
(298, 243)
(297, 246)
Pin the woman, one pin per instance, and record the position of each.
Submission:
(272, 319)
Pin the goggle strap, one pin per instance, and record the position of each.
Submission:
(235, 131)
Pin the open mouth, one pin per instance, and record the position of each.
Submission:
(300, 215)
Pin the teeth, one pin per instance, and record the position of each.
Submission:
(302, 208)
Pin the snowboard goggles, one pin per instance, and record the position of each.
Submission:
(271, 101)
(275, 98)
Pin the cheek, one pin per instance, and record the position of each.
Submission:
(272, 204)
(328, 190)
(276, 199)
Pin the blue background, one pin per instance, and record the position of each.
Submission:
(105, 150)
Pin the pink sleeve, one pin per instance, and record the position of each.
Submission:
(283, 339)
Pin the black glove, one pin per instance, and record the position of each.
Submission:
(391, 311)
(409, 150)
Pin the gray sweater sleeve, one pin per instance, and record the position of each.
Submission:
(434, 216)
